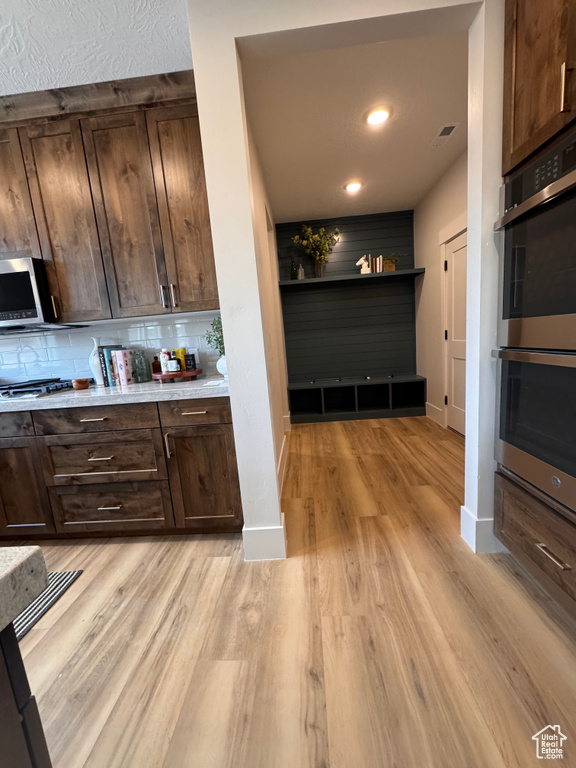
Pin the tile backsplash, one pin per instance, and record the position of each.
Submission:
(65, 353)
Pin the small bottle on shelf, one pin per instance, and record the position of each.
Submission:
(156, 367)
(164, 360)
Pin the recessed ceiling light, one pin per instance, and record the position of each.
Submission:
(353, 186)
(378, 117)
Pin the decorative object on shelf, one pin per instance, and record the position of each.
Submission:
(215, 339)
(80, 383)
(389, 263)
(301, 274)
(293, 271)
(94, 362)
(318, 245)
(140, 367)
(364, 263)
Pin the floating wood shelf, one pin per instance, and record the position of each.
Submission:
(345, 278)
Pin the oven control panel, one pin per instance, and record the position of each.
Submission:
(550, 165)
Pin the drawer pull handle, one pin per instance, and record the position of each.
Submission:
(104, 509)
(101, 458)
(167, 444)
(556, 560)
(193, 413)
(173, 295)
(103, 418)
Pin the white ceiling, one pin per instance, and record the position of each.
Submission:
(306, 112)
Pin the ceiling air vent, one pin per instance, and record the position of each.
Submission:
(443, 134)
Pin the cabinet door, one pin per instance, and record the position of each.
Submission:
(18, 236)
(58, 178)
(176, 152)
(204, 477)
(24, 507)
(123, 190)
(539, 83)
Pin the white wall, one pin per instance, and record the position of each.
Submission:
(64, 354)
(444, 205)
(215, 30)
(271, 308)
(58, 43)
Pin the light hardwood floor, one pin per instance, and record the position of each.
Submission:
(382, 642)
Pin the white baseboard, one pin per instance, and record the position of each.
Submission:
(281, 470)
(479, 534)
(287, 422)
(265, 543)
(436, 414)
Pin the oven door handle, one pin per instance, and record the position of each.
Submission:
(543, 196)
(538, 358)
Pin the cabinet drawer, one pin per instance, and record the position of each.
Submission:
(136, 454)
(96, 418)
(17, 424)
(535, 532)
(125, 506)
(213, 410)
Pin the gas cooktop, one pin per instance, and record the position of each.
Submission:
(34, 387)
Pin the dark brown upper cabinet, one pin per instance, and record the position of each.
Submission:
(62, 201)
(122, 183)
(539, 76)
(18, 237)
(178, 165)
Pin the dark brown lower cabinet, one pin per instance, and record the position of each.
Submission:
(24, 508)
(540, 536)
(204, 477)
(112, 507)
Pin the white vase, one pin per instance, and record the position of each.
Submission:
(94, 363)
(222, 367)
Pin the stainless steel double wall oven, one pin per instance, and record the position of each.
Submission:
(537, 331)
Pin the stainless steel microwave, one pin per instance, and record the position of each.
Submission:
(538, 274)
(25, 300)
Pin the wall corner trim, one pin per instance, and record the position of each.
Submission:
(479, 534)
(265, 543)
(452, 230)
(281, 471)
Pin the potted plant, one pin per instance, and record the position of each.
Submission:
(389, 261)
(317, 244)
(215, 339)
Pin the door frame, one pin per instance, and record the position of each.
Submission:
(456, 228)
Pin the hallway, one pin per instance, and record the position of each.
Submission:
(382, 641)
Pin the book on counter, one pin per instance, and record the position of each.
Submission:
(107, 363)
(123, 365)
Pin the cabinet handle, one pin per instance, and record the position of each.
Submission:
(103, 418)
(163, 297)
(54, 306)
(102, 509)
(564, 69)
(167, 444)
(556, 560)
(193, 413)
(173, 295)
(101, 458)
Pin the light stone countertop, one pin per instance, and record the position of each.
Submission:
(150, 392)
(23, 577)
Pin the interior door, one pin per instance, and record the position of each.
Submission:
(126, 212)
(456, 333)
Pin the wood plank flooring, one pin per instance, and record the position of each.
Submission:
(382, 642)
